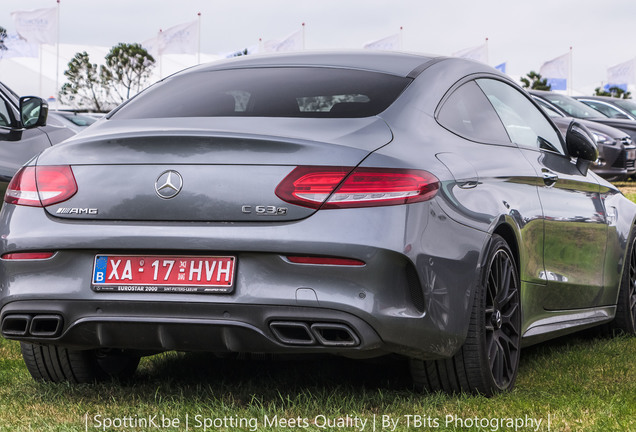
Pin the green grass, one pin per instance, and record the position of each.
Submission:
(628, 188)
(579, 383)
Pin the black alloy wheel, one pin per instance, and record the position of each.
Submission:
(502, 323)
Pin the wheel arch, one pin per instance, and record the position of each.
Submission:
(506, 231)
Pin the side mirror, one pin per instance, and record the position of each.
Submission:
(581, 145)
(33, 111)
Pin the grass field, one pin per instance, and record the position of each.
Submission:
(576, 383)
(628, 189)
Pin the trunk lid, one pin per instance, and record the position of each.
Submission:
(224, 171)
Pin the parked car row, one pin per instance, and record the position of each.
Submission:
(609, 119)
(611, 107)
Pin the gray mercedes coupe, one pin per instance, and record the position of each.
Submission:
(351, 203)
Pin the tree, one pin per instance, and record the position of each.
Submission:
(3, 36)
(84, 88)
(535, 81)
(613, 91)
(127, 69)
(101, 88)
(240, 53)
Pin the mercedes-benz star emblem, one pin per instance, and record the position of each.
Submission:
(168, 184)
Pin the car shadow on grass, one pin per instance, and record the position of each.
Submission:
(272, 375)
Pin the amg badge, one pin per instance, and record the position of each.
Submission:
(78, 211)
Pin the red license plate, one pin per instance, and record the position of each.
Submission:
(178, 274)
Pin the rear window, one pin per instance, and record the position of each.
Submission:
(268, 92)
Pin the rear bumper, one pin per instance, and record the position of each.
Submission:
(153, 326)
(412, 297)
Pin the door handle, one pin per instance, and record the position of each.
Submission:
(549, 177)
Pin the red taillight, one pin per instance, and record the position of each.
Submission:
(334, 187)
(41, 186)
(325, 261)
(28, 255)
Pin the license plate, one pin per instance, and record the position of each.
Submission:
(163, 274)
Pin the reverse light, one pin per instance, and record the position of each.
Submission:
(28, 256)
(316, 260)
(346, 187)
(41, 186)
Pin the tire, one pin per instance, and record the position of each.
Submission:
(488, 361)
(625, 318)
(49, 363)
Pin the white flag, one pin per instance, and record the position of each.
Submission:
(389, 43)
(152, 46)
(622, 73)
(37, 26)
(180, 39)
(293, 42)
(478, 53)
(15, 46)
(557, 72)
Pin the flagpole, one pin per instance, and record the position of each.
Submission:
(400, 39)
(40, 48)
(487, 59)
(57, 53)
(199, 40)
(303, 36)
(633, 77)
(159, 51)
(569, 87)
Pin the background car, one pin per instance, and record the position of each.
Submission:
(20, 142)
(71, 119)
(571, 107)
(350, 203)
(617, 153)
(611, 107)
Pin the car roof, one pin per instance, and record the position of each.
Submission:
(394, 63)
(540, 92)
(598, 98)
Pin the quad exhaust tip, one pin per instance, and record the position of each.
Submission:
(44, 326)
(293, 333)
(16, 325)
(307, 334)
(335, 335)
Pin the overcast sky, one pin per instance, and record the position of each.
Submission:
(522, 34)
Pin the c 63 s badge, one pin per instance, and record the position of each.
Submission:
(77, 211)
(264, 210)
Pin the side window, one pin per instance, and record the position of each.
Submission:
(525, 124)
(468, 113)
(5, 117)
(551, 112)
(605, 109)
